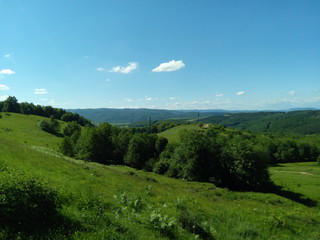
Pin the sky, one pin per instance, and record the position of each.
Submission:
(168, 54)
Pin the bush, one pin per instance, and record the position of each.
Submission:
(25, 203)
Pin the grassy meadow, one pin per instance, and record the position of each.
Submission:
(173, 134)
(118, 202)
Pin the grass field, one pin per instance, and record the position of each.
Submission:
(25, 129)
(118, 202)
(173, 134)
(301, 178)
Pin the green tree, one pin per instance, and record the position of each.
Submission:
(11, 105)
(66, 147)
(71, 128)
(137, 153)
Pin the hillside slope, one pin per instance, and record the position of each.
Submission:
(25, 129)
(117, 202)
(296, 122)
(113, 115)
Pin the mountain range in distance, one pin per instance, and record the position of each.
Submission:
(131, 115)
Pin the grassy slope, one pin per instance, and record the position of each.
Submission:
(25, 129)
(226, 214)
(301, 177)
(173, 134)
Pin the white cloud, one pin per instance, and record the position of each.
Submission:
(219, 94)
(108, 80)
(43, 99)
(149, 99)
(240, 93)
(4, 97)
(40, 91)
(100, 69)
(127, 100)
(7, 56)
(4, 87)
(128, 69)
(52, 102)
(172, 98)
(6, 72)
(169, 66)
(292, 93)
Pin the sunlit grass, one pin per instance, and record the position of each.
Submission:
(118, 202)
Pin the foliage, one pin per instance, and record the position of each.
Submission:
(11, 105)
(295, 122)
(71, 128)
(25, 203)
(51, 126)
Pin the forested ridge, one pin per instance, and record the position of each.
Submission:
(296, 122)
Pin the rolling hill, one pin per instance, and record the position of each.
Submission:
(296, 122)
(118, 202)
(128, 116)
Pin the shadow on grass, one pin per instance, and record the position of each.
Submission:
(60, 228)
(296, 197)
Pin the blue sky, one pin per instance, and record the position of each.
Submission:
(169, 54)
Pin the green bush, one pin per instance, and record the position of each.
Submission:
(26, 204)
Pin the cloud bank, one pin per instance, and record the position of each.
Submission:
(169, 66)
(128, 69)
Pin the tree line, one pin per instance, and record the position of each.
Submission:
(228, 158)
(11, 104)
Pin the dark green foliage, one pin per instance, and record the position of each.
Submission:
(71, 128)
(66, 147)
(138, 152)
(25, 203)
(244, 165)
(11, 105)
(232, 160)
(51, 126)
(95, 144)
(120, 141)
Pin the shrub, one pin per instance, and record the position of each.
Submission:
(26, 204)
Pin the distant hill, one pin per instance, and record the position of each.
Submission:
(298, 122)
(113, 115)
